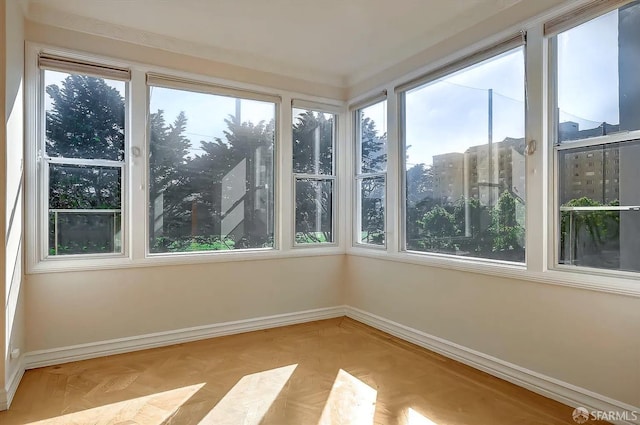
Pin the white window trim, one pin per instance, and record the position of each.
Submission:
(41, 168)
(191, 85)
(358, 175)
(539, 74)
(616, 277)
(486, 53)
(135, 246)
(333, 177)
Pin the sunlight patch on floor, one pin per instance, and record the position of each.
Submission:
(351, 401)
(248, 401)
(415, 418)
(153, 409)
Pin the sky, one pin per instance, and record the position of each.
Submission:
(450, 114)
(206, 113)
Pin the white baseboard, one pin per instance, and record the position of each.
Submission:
(552, 388)
(74, 353)
(6, 395)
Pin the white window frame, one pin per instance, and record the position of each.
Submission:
(551, 29)
(359, 176)
(41, 162)
(539, 132)
(162, 80)
(134, 195)
(512, 42)
(333, 177)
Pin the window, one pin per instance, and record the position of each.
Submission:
(472, 119)
(314, 175)
(371, 173)
(597, 101)
(82, 157)
(211, 169)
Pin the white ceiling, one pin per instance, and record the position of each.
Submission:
(333, 41)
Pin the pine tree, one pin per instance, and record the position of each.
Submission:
(313, 154)
(86, 121)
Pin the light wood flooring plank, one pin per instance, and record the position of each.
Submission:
(334, 371)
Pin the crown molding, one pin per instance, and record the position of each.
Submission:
(43, 14)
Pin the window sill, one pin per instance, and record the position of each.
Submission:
(628, 286)
(187, 258)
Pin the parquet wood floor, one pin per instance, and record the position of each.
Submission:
(328, 372)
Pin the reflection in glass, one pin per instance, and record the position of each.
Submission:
(314, 203)
(84, 187)
(84, 231)
(373, 138)
(313, 142)
(84, 116)
(465, 161)
(597, 75)
(600, 206)
(371, 196)
(84, 209)
(211, 171)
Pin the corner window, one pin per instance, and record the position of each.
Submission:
(371, 173)
(314, 175)
(598, 142)
(211, 169)
(464, 153)
(82, 158)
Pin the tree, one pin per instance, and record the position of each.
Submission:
(438, 229)
(85, 121)
(505, 230)
(168, 180)
(373, 159)
(214, 193)
(419, 193)
(601, 227)
(313, 134)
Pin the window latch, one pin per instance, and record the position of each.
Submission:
(530, 147)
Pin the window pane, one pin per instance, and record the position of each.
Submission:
(84, 209)
(465, 161)
(211, 172)
(371, 197)
(600, 206)
(373, 138)
(598, 81)
(84, 187)
(84, 232)
(84, 116)
(314, 211)
(313, 142)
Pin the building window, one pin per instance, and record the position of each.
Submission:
(82, 158)
(211, 168)
(471, 118)
(371, 173)
(598, 103)
(314, 134)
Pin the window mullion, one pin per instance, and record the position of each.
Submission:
(138, 167)
(84, 162)
(536, 163)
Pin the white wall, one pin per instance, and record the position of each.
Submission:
(64, 309)
(3, 143)
(81, 42)
(460, 44)
(586, 338)
(13, 149)
(68, 308)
